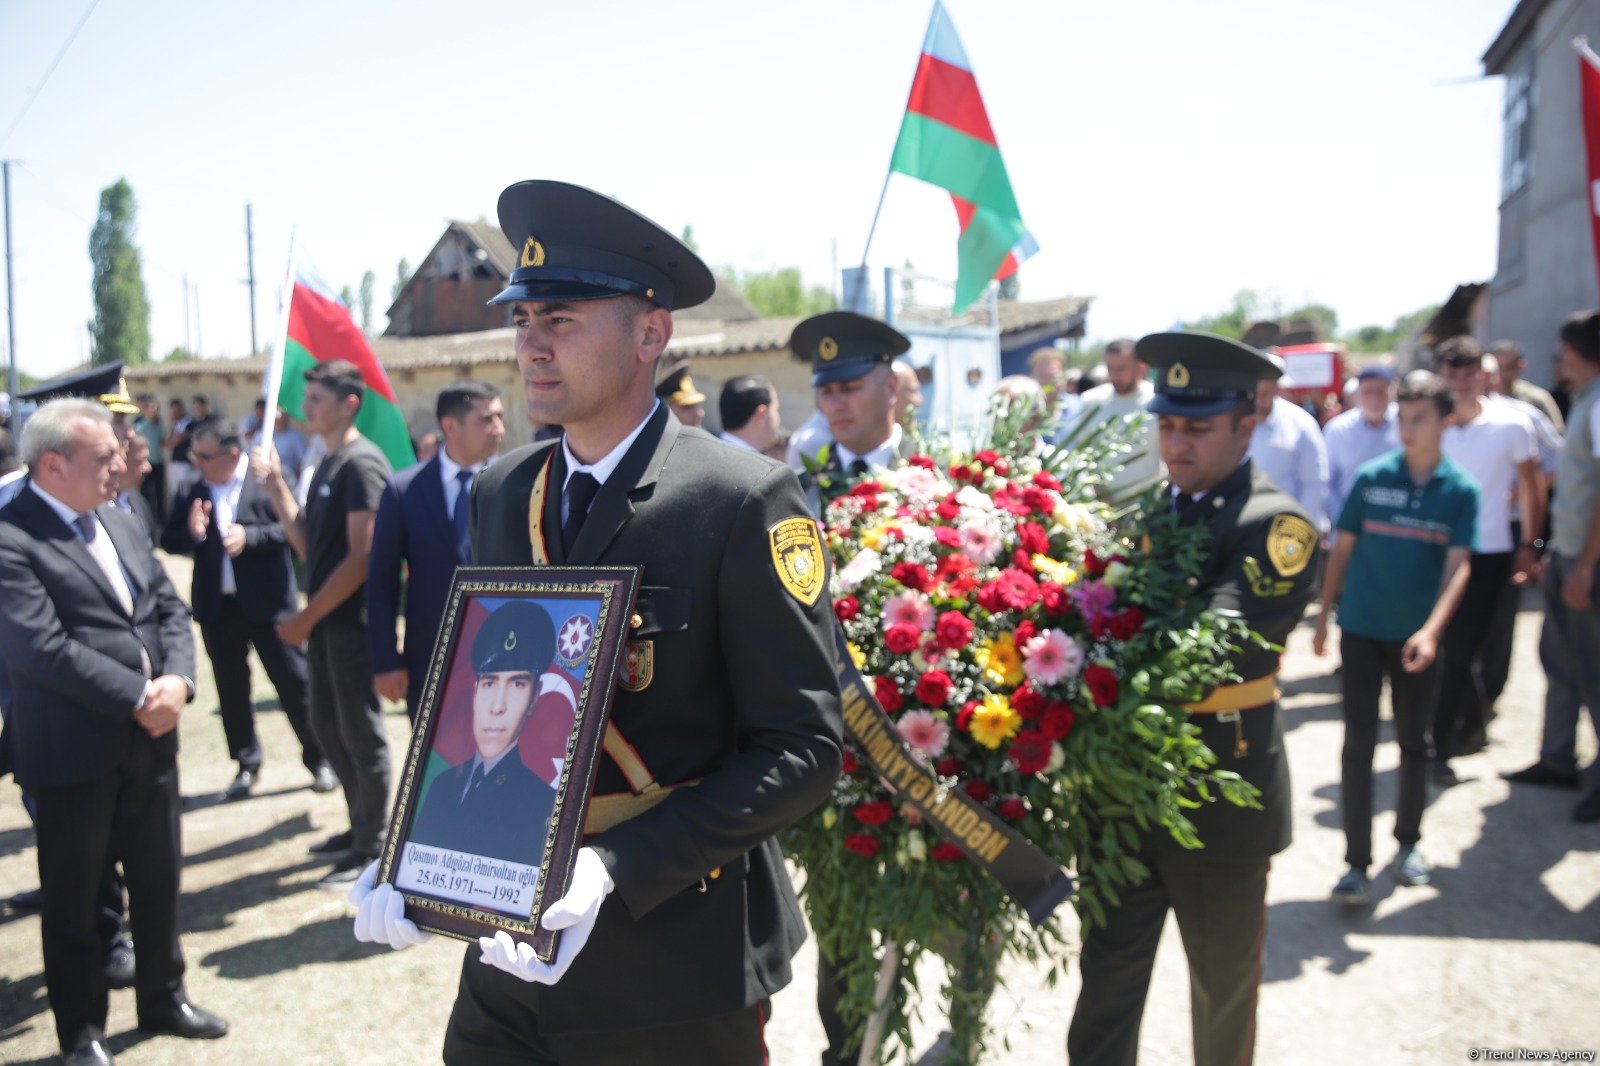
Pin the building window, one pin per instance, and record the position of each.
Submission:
(1517, 155)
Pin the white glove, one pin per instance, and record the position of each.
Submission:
(381, 913)
(574, 914)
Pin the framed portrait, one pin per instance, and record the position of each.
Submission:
(495, 791)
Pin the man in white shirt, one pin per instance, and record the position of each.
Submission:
(748, 408)
(1361, 434)
(1287, 446)
(1496, 446)
(1125, 394)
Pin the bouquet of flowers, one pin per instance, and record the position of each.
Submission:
(1034, 648)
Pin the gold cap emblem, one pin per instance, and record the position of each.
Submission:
(1178, 376)
(827, 348)
(532, 254)
(511, 639)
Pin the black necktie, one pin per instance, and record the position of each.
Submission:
(858, 468)
(581, 488)
(1181, 502)
(478, 774)
(463, 502)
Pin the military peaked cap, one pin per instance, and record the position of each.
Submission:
(677, 387)
(842, 345)
(518, 636)
(1201, 374)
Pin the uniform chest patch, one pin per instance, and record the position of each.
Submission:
(1289, 544)
(797, 558)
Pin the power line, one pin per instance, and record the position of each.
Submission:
(28, 103)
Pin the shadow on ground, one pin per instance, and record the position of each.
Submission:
(320, 943)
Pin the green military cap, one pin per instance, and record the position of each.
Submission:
(677, 387)
(1201, 374)
(842, 345)
(518, 636)
(574, 244)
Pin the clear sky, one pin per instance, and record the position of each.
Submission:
(1165, 154)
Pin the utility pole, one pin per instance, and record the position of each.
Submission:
(11, 300)
(186, 345)
(250, 266)
(198, 343)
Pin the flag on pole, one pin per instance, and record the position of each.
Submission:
(319, 330)
(1589, 77)
(945, 140)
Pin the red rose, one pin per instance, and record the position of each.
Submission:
(888, 693)
(1102, 685)
(933, 688)
(1030, 751)
(948, 537)
(987, 457)
(977, 790)
(1033, 538)
(959, 472)
(1026, 701)
(949, 767)
(1012, 809)
(1022, 561)
(953, 630)
(862, 844)
(948, 508)
(1054, 598)
(944, 851)
(1037, 500)
(846, 608)
(912, 576)
(875, 813)
(964, 715)
(902, 638)
(921, 460)
(1056, 721)
(850, 763)
(1046, 481)
(868, 489)
(1010, 500)
(1092, 564)
(1125, 624)
(1025, 632)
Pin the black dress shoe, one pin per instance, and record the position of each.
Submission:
(322, 779)
(93, 1053)
(120, 964)
(187, 1021)
(1540, 774)
(337, 844)
(31, 900)
(244, 782)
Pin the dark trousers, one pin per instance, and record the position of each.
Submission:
(154, 490)
(1365, 662)
(1569, 648)
(1463, 698)
(348, 724)
(228, 640)
(494, 1024)
(131, 815)
(1494, 660)
(1221, 906)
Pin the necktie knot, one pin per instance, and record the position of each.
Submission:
(858, 468)
(85, 526)
(581, 490)
(1181, 502)
(464, 478)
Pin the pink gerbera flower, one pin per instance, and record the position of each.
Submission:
(927, 736)
(911, 608)
(981, 541)
(1052, 657)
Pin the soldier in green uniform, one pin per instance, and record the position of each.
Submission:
(680, 922)
(1263, 565)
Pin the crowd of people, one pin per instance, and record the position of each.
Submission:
(1439, 496)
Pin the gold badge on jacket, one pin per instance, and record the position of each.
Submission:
(1289, 544)
(797, 557)
(638, 665)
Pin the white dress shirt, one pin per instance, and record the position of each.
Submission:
(608, 463)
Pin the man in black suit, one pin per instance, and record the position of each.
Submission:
(99, 657)
(130, 486)
(420, 537)
(732, 701)
(243, 586)
(492, 804)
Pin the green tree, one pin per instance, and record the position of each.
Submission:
(347, 296)
(120, 328)
(180, 354)
(688, 239)
(1325, 317)
(369, 281)
(1373, 339)
(780, 292)
(402, 274)
(1248, 306)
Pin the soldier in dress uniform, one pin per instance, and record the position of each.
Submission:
(1263, 565)
(676, 389)
(492, 804)
(685, 906)
(858, 393)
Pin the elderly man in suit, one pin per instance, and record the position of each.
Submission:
(420, 537)
(243, 586)
(99, 656)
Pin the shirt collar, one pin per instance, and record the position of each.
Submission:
(881, 456)
(611, 460)
(65, 513)
(236, 480)
(737, 442)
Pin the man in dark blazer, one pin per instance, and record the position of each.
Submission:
(492, 804)
(1263, 565)
(243, 586)
(100, 660)
(420, 537)
(732, 695)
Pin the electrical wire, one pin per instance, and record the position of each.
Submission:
(54, 63)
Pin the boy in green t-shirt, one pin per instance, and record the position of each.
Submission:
(1405, 535)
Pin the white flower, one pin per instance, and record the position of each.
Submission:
(857, 570)
(916, 846)
(1058, 758)
(976, 499)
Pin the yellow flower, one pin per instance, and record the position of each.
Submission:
(994, 722)
(1060, 573)
(857, 656)
(871, 538)
(999, 660)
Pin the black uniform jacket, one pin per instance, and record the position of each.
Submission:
(505, 817)
(263, 574)
(1243, 577)
(744, 697)
(71, 652)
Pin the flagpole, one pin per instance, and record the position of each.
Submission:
(274, 380)
(1581, 45)
(861, 274)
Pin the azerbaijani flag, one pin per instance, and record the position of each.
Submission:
(945, 140)
(1589, 78)
(320, 330)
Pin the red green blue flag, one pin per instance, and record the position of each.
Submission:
(1589, 91)
(320, 330)
(946, 140)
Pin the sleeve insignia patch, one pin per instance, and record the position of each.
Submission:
(797, 558)
(638, 665)
(1290, 543)
(1264, 587)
